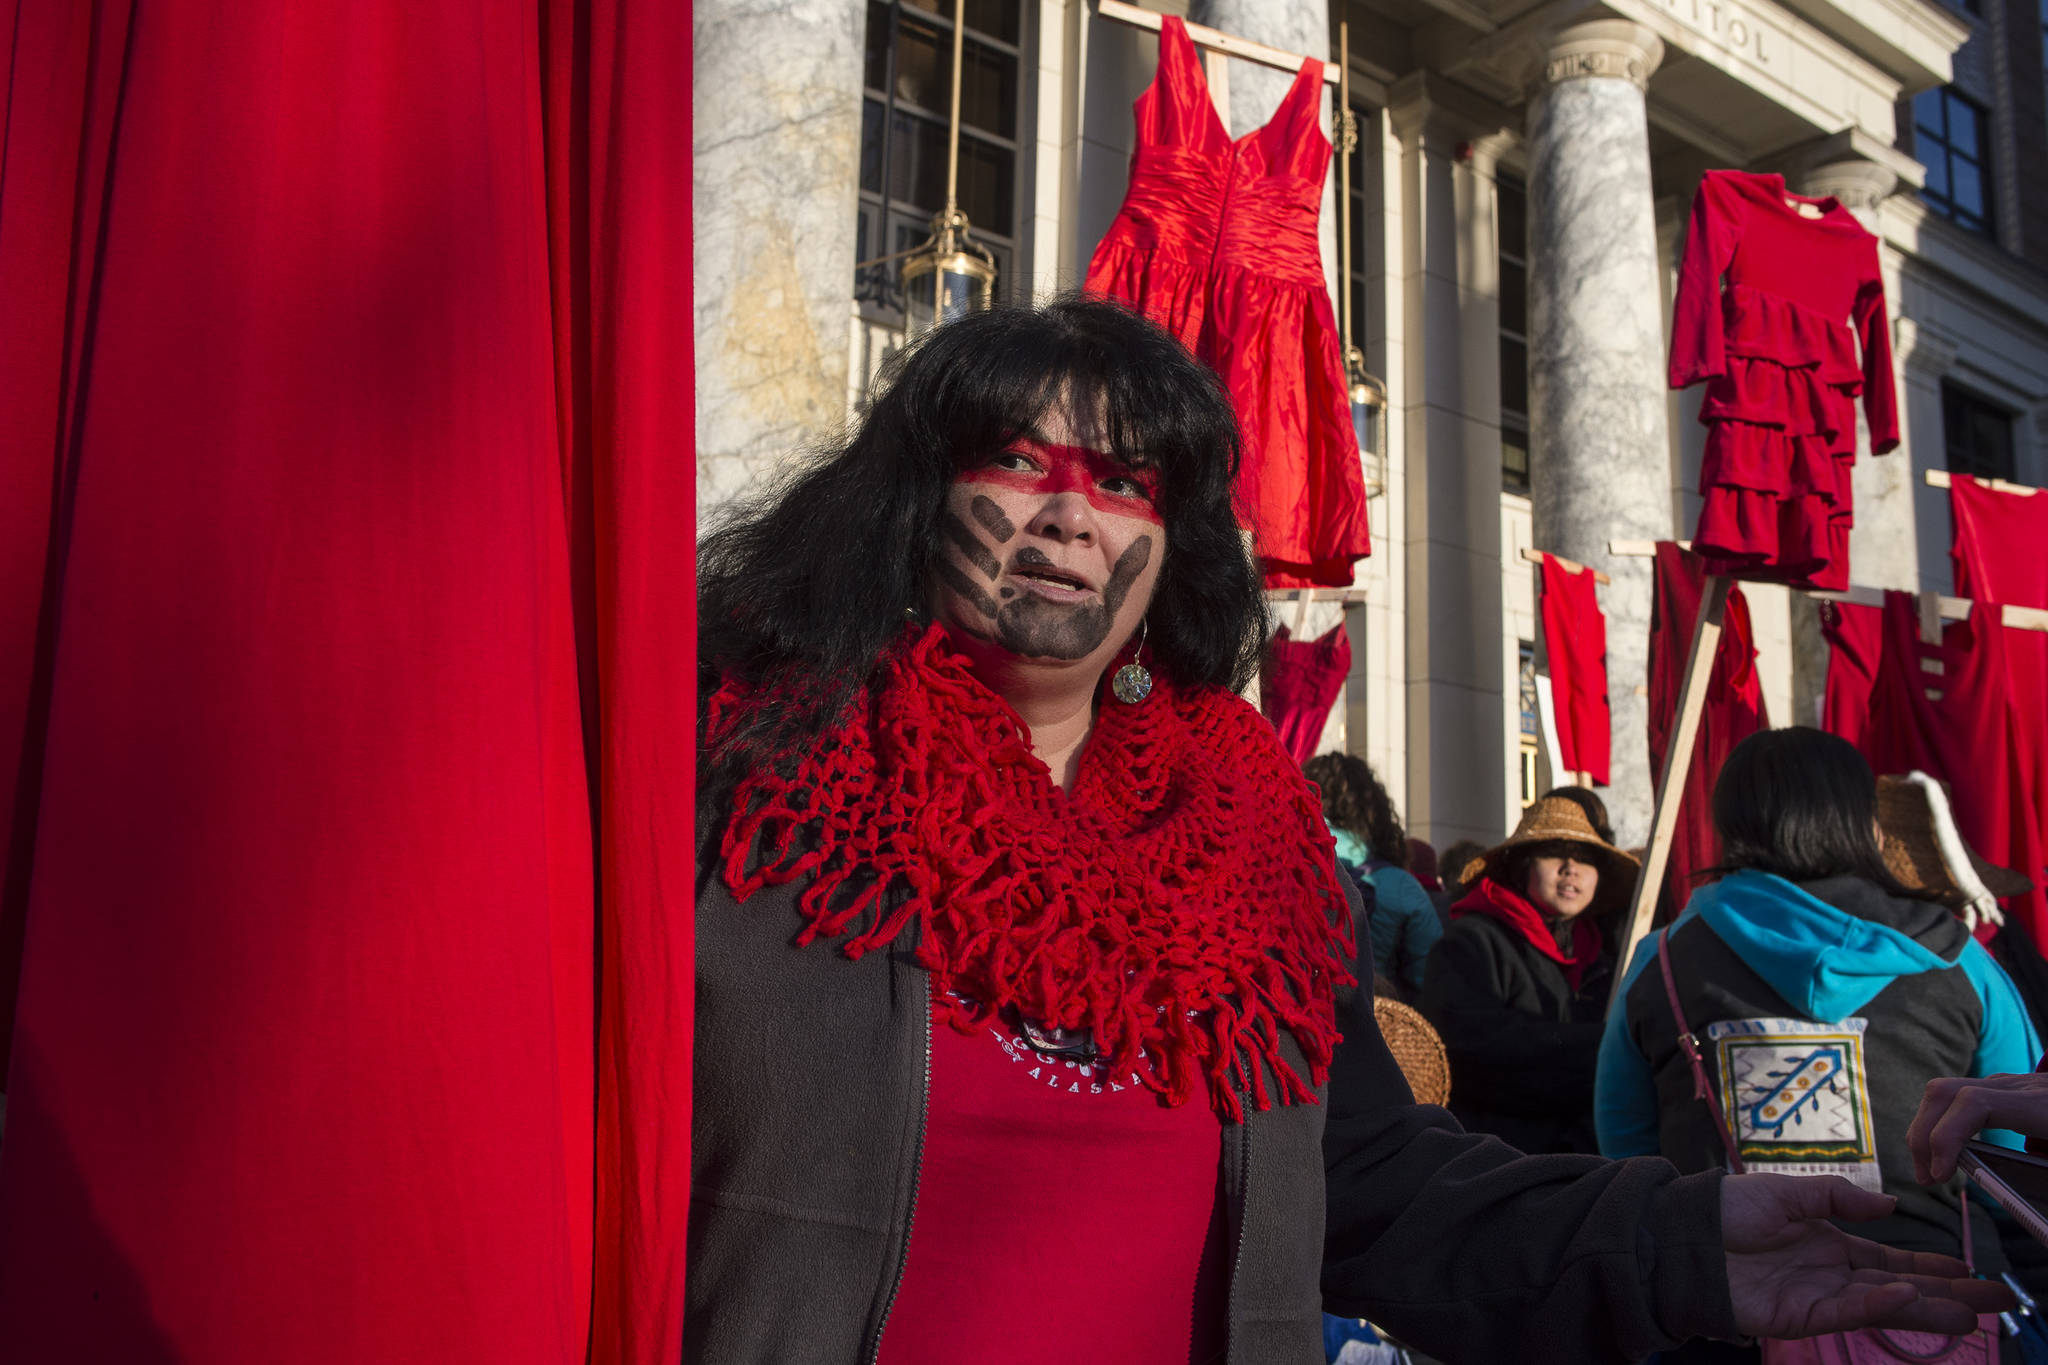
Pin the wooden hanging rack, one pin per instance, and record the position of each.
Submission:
(1568, 565)
(1215, 40)
(1941, 478)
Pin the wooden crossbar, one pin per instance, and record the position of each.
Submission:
(1941, 478)
(1568, 565)
(1215, 40)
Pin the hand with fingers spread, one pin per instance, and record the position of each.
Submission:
(1791, 1273)
(1955, 1107)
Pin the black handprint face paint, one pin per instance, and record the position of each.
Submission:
(1049, 551)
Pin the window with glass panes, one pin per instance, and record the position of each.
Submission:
(1513, 201)
(1951, 138)
(1977, 435)
(1367, 257)
(908, 88)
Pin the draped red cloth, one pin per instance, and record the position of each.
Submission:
(1575, 642)
(1855, 636)
(346, 611)
(1998, 559)
(1960, 724)
(1734, 707)
(1298, 684)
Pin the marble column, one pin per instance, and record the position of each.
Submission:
(776, 104)
(1600, 446)
(1456, 671)
(1291, 25)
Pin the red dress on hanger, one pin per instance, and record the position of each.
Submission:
(1779, 349)
(1298, 684)
(1575, 641)
(1216, 241)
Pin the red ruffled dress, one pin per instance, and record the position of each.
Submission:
(1786, 348)
(1216, 241)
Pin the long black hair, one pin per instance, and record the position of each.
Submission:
(1800, 803)
(807, 585)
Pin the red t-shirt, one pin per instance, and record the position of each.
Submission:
(1063, 1213)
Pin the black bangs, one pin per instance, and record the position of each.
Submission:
(1001, 372)
(810, 578)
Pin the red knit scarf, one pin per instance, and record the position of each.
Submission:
(1495, 901)
(1181, 901)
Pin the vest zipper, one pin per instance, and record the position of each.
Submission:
(924, 1105)
(1244, 1206)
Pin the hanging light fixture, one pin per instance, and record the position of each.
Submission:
(1368, 393)
(951, 275)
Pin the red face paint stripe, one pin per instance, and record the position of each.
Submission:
(1074, 469)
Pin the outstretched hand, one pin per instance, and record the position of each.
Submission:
(1955, 1107)
(1793, 1274)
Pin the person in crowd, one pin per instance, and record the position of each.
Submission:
(1588, 800)
(1372, 847)
(1461, 857)
(1021, 944)
(1518, 983)
(1422, 864)
(1825, 993)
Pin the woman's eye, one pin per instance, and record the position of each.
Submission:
(1125, 488)
(1011, 459)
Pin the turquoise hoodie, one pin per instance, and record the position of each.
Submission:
(1827, 964)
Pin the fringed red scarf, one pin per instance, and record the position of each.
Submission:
(1181, 901)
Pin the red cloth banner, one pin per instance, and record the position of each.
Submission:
(1998, 560)
(1734, 706)
(1961, 724)
(1298, 684)
(346, 626)
(1575, 641)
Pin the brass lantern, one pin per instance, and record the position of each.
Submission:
(948, 277)
(1368, 412)
(951, 275)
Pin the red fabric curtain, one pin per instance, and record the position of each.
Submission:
(345, 680)
(1998, 559)
(1734, 707)
(1298, 684)
(1960, 724)
(1575, 642)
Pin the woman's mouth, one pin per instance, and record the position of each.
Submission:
(1053, 584)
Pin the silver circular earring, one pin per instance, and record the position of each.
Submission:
(1133, 682)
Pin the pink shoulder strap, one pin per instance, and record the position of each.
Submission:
(1702, 1089)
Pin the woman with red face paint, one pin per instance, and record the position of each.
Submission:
(1022, 952)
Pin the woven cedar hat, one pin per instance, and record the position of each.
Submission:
(1925, 851)
(1561, 820)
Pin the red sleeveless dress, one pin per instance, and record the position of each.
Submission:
(1216, 242)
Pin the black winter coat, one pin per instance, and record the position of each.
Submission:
(1522, 1043)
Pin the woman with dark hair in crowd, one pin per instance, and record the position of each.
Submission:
(1020, 940)
(1825, 996)
(1372, 847)
(1519, 981)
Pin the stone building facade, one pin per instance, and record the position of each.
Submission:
(1520, 188)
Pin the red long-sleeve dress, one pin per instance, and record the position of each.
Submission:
(1786, 348)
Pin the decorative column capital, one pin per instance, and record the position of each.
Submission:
(1611, 49)
(1852, 166)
